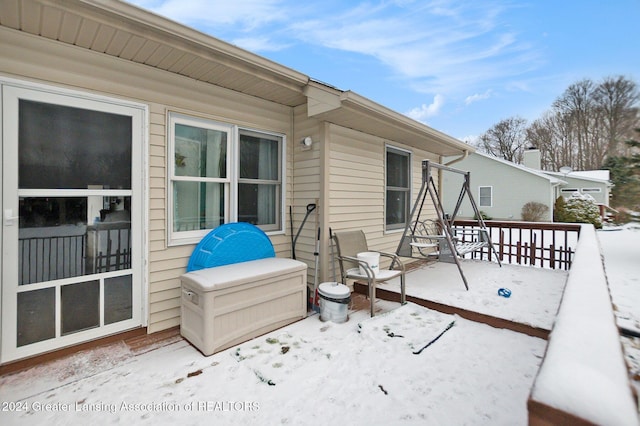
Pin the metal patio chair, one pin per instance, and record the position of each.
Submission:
(348, 245)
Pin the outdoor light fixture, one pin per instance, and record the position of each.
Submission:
(306, 142)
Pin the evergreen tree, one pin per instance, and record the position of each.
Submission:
(559, 210)
(625, 176)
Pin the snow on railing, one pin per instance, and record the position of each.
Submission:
(583, 378)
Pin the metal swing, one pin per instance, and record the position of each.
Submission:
(423, 236)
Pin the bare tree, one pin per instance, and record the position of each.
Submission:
(576, 105)
(616, 97)
(587, 124)
(506, 139)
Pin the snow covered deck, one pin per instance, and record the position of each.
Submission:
(361, 372)
(535, 293)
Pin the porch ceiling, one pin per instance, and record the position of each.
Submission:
(125, 31)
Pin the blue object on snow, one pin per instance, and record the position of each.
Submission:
(231, 243)
(504, 292)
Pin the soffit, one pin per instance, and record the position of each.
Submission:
(127, 32)
(348, 109)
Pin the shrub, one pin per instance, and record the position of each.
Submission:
(484, 216)
(582, 209)
(534, 212)
(559, 210)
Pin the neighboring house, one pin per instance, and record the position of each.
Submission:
(127, 137)
(595, 183)
(501, 188)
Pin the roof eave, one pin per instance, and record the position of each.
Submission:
(174, 31)
(351, 110)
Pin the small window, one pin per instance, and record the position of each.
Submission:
(398, 185)
(485, 196)
(569, 190)
(591, 190)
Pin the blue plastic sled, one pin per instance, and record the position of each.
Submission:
(231, 243)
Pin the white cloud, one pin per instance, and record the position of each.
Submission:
(472, 140)
(439, 46)
(477, 97)
(247, 14)
(425, 111)
(259, 44)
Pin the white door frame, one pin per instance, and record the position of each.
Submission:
(11, 91)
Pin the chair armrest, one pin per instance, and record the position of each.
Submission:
(361, 263)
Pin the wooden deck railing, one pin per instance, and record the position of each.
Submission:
(546, 245)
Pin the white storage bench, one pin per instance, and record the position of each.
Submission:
(226, 305)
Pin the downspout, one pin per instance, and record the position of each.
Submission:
(465, 154)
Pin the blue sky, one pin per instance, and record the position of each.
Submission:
(457, 66)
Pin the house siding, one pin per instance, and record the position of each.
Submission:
(512, 188)
(50, 62)
(601, 197)
(306, 186)
(357, 186)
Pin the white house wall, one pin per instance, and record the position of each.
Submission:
(601, 197)
(512, 188)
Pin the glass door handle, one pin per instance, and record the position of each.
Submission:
(9, 217)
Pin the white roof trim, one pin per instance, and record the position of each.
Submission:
(553, 180)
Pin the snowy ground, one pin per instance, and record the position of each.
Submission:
(360, 372)
(621, 249)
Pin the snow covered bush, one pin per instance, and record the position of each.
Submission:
(534, 212)
(580, 208)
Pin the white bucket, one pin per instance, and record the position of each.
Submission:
(334, 302)
(372, 259)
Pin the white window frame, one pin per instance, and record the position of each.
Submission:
(390, 148)
(139, 192)
(230, 181)
(279, 225)
(480, 197)
(567, 192)
(590, 190)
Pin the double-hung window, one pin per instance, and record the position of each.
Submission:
(221, 173)
(485, 196)
(398, 185)
(260, 179)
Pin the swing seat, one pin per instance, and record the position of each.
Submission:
(479, 240)
(464, 248)
(426, 235)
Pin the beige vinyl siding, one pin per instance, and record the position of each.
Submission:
(356, 179)
(77, 68)
(306, 186)
(357, 186)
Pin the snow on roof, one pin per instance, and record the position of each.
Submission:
(552, 179)
(601, 176)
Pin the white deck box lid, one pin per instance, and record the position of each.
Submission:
(220, 277)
